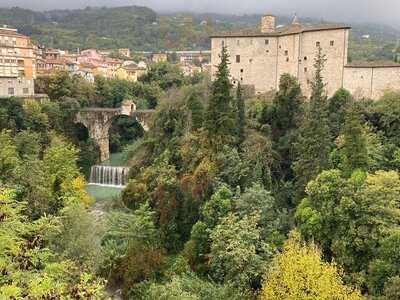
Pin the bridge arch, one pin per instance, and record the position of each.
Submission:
(98, 121)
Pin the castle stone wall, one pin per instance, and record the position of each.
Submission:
(371, 82)
(258, 60)
(336, 58)
(264, 59)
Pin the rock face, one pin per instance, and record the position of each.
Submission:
(98, 121)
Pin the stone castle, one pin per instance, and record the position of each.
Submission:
(259, 57)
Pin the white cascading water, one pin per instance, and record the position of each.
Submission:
(109, 176)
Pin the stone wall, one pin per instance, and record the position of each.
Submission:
(336, 58)
(371, 82)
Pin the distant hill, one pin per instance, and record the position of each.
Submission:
(141, 28)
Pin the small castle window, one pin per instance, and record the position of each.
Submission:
(305, 57)
(250, 60)
(305, 70)
(280, 47)
(223, 43)
(308, 81)
(318, 44)
(332, 43)
(238, 58)
(286, 52)
(267, 51)
(266, 42)
(287, 58)
(241, 70)
(241, 78)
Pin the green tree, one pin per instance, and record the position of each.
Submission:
(36, 189)
(241, 115)
(238, 254)
(257, 200)
(34, 117)
(28, 144)
(220, 118)
(385, 266)
(314, 141)
(284, 117)
(392, 288)
(213, 211)
(337, 107)
(355, 143)
(189, 286)
(196, 110)
(131, 247)
(30, 270)
(164, 74)
(8, 156)
(78, 237)
(350, 217)
(287, 106)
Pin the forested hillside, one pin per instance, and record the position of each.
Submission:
(276, 197)
(140, 28)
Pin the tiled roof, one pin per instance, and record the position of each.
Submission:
(373, 64)
(280, 31)
(10, 33)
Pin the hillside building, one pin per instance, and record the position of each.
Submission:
(17, 64)
(259, 57)
(159, 57)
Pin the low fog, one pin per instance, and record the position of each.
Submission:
(376, 11)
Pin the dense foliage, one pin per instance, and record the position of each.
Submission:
(276, 197)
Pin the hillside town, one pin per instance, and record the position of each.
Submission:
(21, 61)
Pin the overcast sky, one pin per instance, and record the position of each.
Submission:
(378, 11)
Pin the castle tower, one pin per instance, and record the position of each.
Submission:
(268, 23)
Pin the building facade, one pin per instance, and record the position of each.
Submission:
(259, 58)
(17, 64)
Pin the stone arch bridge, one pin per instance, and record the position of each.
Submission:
(98, 121)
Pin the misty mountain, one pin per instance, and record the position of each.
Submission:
(141, 28)
(372, 11)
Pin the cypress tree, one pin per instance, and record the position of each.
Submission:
(355, 143)
(287, 106)
(314, 142)
(196, 111)
(284, 118)
(220, 116)
(241, 117)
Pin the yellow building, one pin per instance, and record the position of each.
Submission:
(112, 66)
(130, 72)
(159, 57)
(17, 64)
(125, 52)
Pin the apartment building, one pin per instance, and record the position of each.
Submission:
(17, 64)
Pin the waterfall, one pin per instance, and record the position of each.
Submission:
(109, 176)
